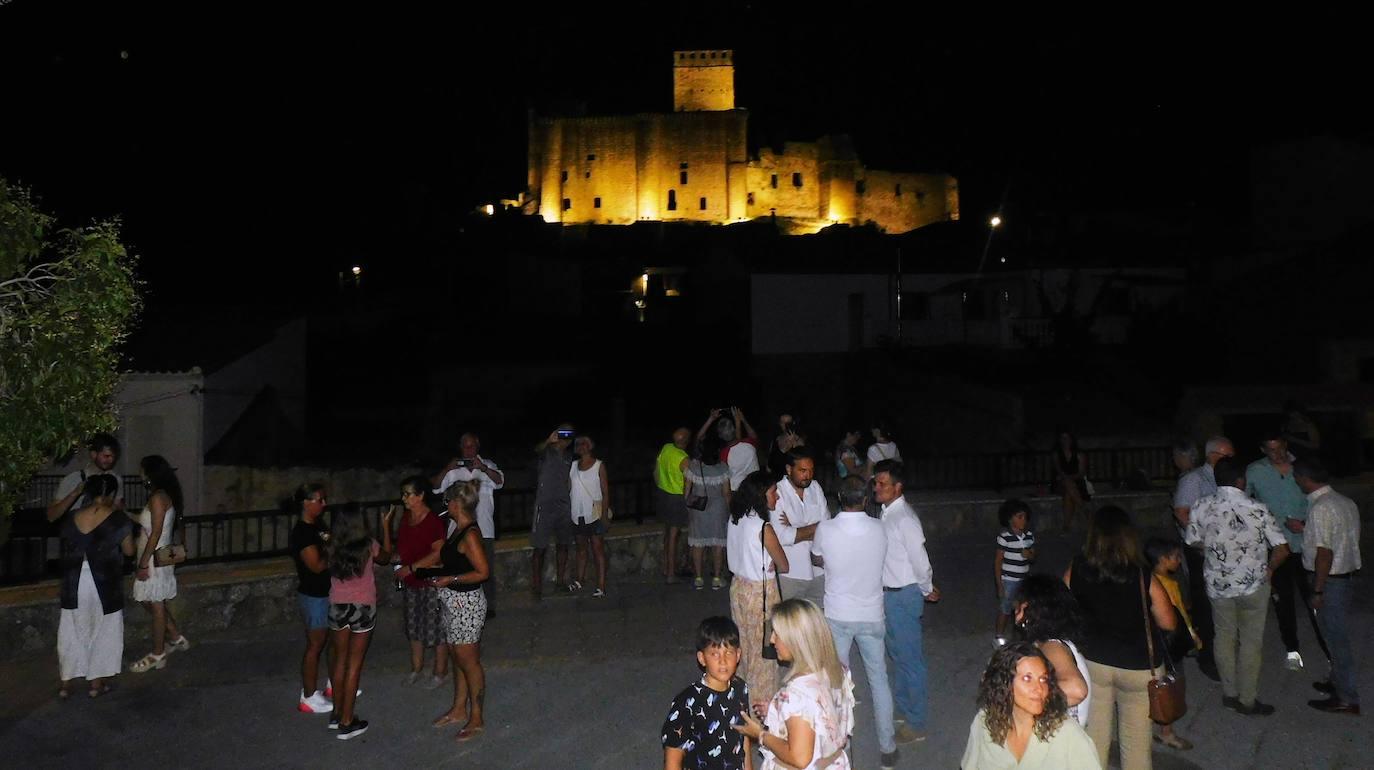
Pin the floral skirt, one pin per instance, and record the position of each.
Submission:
(750, 603)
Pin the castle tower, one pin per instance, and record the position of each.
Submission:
(703, 81)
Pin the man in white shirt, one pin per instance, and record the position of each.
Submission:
(104, 451)
(853, 547)
(470, 465)
(1331, 557)
(908, 583)
(1237, 534)
(802, 505)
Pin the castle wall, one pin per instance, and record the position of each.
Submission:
(898, 202)
(703, 80)
(787, 199)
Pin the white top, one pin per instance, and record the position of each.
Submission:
(586, 489)
(830, 712)
(744, 550)
(1237, 533)
(809, 508)
(75, 479)
(1333, 523)
(1080, 711)
(885, 450)
(743, 460)
(907, 561)
(854, 546)
(486, 502)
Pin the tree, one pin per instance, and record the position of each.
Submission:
(67, 300)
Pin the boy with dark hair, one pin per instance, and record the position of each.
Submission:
(1015, 554)
(698, 731)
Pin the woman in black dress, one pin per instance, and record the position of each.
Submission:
(1070, 477)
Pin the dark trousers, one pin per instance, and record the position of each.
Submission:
(1201, 610)
(1288, 587)
(489, 587)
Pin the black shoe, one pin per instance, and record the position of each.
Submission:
(889, 761)
(1333, 705)
(333, 720)
(1325, 687)
(1208, 668)
(1231, 703)
(353, 730)
(1255, 709)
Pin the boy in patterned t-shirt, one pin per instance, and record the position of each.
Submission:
(1015, 553)
(698, 731)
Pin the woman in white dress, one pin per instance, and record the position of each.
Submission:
(90, 634)
(154, 585)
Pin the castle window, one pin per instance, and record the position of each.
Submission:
(587, 175)
(920, 198)
(796, 179)
(596, 203)
(565, 176)
(567, 204)
(703, 204)
(858, 187)
(682, 166)
(899, 191)
(682, 177)
(774, 182)
(672, 200)
(592, 156)
(751, 199)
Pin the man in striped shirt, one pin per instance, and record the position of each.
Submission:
(1015, 554)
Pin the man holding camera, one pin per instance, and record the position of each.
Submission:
(739, 453)
(552, 508)
(471, 466)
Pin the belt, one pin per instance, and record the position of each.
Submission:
(903, 588)
(1342, 576)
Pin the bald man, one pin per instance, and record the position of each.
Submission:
(672, 508)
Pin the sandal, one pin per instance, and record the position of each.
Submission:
(468, 733)
(63, 693)
(96, 692)
(180, 644)
(446, 720)
(1174, 742)
(574, 586)
(147, 663)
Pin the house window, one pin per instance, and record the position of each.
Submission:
(567, 203)
(672, 200)
(899, 191)
(858, 187)
(596, 203)
(682, 177)
(565, 176)
(796, 179)
(774, 182)
(702, 204)
(591, 156)
(751, 199)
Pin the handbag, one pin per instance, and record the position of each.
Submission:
(695, 501)
(1167, 703)
(167, 555)
(770, 651)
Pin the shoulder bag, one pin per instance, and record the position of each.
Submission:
(697, 500)
(174, 552)
(770, 651)
(1167, 703)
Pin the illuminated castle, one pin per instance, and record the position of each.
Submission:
(693, 165)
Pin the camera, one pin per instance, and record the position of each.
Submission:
(565, 433)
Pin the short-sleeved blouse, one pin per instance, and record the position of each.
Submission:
(829, 712)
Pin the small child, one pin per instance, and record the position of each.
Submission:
(698, 731)
(1166, 556)
(1015, 555)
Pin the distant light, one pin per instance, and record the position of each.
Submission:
(357, 270)
(1003, 260)
(124, 55)
(489, 209)
(995, 221)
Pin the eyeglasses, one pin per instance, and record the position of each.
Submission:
(319, 499)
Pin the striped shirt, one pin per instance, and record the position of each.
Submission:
(1015, 565)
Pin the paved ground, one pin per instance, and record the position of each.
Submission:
(581, 683)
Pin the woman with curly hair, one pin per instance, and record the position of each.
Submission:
(1022, 719)
(1049, 618)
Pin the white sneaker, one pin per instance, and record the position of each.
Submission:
(999, 641)
(1294, 662)
(314, 703)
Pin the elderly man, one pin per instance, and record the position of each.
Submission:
(104, 452)
(908, 583)
(668, 501)
(1270, 481)
(470, 466)
(801, 503)
(1193, 486)
(1331, 556)
(853, 547)
(552, 508)
(1237, 534)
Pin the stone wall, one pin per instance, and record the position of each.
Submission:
(231, 488)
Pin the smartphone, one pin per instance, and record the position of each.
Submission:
(565, 433)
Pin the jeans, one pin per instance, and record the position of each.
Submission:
(1334, 619)
(1240, 642)
(870, 638)
(903, 609)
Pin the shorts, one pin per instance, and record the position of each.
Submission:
(595, 528)
(551, 522)
(314, 611)
(671, 508)
(358, 618)
(465, 613)
(1010, 588)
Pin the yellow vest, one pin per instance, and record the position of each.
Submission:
(668, 470)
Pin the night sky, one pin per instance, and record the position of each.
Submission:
(253, 151)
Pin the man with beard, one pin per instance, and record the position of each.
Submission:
(104, 451)
(801, 501)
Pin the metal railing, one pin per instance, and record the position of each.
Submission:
(34, 546)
